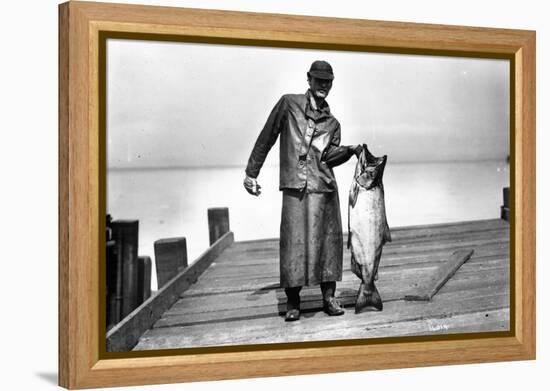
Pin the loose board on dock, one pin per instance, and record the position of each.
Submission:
(444, 273)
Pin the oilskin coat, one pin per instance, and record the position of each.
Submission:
(311, 247)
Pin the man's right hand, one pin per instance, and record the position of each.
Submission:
(252, 186)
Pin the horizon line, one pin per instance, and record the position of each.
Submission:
(243, 166)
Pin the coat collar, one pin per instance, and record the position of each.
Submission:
(318, 113)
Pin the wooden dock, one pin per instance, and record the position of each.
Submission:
(237, 300)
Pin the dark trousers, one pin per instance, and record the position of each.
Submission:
(293, 294)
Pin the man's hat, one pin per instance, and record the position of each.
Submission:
(321, 70)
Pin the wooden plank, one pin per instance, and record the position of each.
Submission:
(269, 283)
(416, 233)
(252, 269)
(435, 253)
(484, 321)
(310, 304)
(388, 260)
(444, 304)
(399, 233)
(393, 249)
(256, 304)
(450, 244)
(434, 232)
(244, 305)
(212, 282)
(498, 280)
(442, 275)
(262, 285)
(461, 237)
(222, 284)
(126, 334)
(274, 330)
(403, 256)
(390, 289)
(456, 228)
(268, 254)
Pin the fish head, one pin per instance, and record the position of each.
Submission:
(371, 169)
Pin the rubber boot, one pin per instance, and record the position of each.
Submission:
(292, 303)
(331, 306)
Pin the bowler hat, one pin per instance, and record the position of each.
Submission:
(321, 70)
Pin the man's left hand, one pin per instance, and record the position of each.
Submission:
(357, 150)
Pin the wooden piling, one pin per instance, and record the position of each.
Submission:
(113, 297)
(170, 258)
(125, 235)
(144, 278)
(218, 223)
(505, 208)
(124, 336)
(108, 230)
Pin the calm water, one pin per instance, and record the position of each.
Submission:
(174, 202)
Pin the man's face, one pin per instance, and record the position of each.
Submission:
(320, 87)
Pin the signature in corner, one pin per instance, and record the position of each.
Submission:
(432, 326)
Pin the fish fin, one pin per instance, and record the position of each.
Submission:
(349, 229)
(387, 233)
(354, 191)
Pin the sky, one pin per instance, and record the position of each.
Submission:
(202, 105)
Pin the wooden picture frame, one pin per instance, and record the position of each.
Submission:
(82, 361)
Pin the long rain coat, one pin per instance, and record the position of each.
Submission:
(311, 246)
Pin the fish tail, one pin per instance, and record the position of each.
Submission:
(368, 298)
(361, 301)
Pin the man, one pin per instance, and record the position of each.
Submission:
(311, 248)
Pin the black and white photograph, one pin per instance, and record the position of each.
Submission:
(291, 195)
(270, 195)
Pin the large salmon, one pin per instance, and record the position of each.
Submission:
(367, 226)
